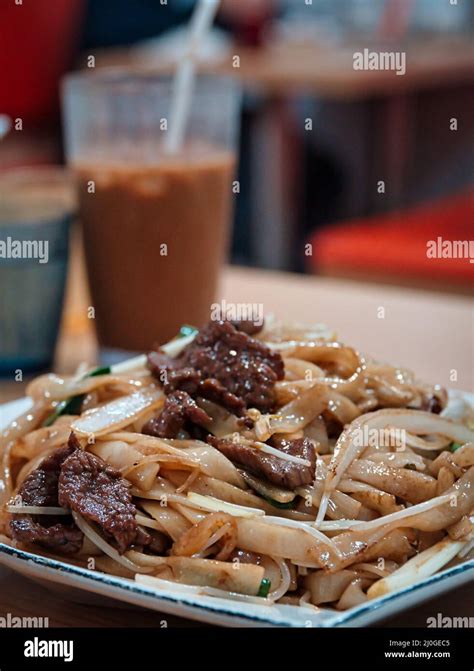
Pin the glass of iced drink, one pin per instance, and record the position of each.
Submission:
(155, 222)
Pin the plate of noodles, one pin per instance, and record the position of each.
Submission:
(242, 474)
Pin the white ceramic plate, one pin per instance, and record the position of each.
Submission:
(223, 611)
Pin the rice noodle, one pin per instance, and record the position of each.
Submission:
(285, 581)
(404, 514)
(102, 544)
(349, 446)
(307, 528)
(215, 505)
(116, 414)
(421, 566)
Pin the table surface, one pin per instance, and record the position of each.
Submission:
(428, 332)
(326, 69)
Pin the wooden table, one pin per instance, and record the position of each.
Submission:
(323, 69)
(431, 333)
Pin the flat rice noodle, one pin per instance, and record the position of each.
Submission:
(396, 459)
(56, 388)
(365, 546)
(349, 446)
(123, 457)
(295, 415)
(462, 529)
(317, 432)
(342, 408)
(216, 465)
(340, 507)
(117, 414)
(22, 425)
(327, 587)
(29, 445)
(171, 521)
(445, 460)
(208, 486)
(421, 566)
(213, 573)
(408, 485)
(370, 496)
(149, 446)
(450, 512)
(295, 544)
(354, 594)
(464, 456)
(391, 395)
(287, 391)
(222, 422)
(446, 479)
(456, 502)
(214, 528)
(340, 359)
(298, 369)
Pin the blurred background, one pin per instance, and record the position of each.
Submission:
(342, 172)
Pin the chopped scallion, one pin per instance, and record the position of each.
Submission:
(264, 588)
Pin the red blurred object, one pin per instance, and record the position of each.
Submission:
(250, 21)
(38, 42)
(394, 246)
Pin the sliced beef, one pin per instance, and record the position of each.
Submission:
(229, 367)
(40, 488)
(96, 490)
(60, 537)
(75, 479)
(248, 326)
(215, 391)
(244, 366)
(278, 471)
(182, 379)
(178, 411)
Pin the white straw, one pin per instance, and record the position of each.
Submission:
(201, 21)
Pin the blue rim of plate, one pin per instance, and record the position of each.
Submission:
(129, 586)
(134, 588)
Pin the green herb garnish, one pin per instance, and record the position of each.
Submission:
(289, 505)
(264, 588)
(455, 446)
(72, 406)
(104, 370)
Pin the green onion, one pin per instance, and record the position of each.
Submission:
(289, 505)
(105, 370)
(264, 588)
(455, 446)
(72, 406)
(187, 330)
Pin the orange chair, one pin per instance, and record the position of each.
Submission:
(412, 247)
